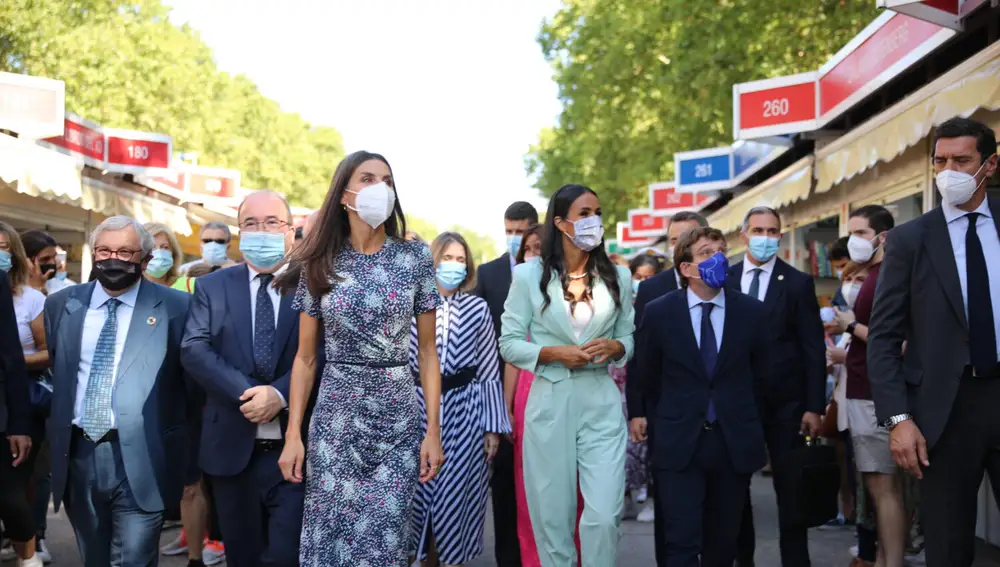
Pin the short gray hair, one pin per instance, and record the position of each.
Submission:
(216, 225)
(761, 210)
(121, 222)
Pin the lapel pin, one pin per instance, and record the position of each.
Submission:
(781, 277)
(151, 321)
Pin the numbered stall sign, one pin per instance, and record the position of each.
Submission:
(81, 139)
(772, 107)
(647, 223)
(703, 170)
(127, 151)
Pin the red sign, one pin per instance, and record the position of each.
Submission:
(82, 138)
(772, 107)
(628, 239)
(646, 223)
(31, 106)
(221, 183)
(666, 198)
(136, 152)
(890, 44)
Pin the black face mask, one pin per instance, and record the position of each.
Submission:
(46, 268)
(116, 275)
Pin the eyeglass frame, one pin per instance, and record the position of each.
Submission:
(108, 253)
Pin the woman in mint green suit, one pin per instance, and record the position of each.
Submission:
(577, 308)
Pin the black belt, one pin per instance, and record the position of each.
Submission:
(371, 363)
(970, 372)
(111, 435)
(449, 382)
(269, 444)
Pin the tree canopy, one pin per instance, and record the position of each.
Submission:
(126, 66)
(640, 81)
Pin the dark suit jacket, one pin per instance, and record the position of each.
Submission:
(796, 344)
(217, 351)
(670, 357)
(919, 299)
(151, 394)
(15, 412)
(492, 284)
(655, 287)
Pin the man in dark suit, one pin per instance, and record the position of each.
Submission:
(939, 290)
(796, 377)
(239, 343)
(492, 284)
(703, 361)
(118, 433)
(653, 288)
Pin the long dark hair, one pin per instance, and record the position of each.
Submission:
(553, 258)
(314, 257)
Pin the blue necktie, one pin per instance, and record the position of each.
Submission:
(982, 333)
(755, 284)
(96, 421)
(709, 351)
(263, 329)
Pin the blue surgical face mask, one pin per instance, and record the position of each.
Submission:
(513, 243)
(214, 253)
(714, 270)
(6, 261)
(263, 249)
(763, 248)
(159, 264)
(635, 287)
(450, 275)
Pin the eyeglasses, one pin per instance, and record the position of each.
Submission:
(124, 254)
(215, 240)
(270, 225)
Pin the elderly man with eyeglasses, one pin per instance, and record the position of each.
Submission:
(120, 401)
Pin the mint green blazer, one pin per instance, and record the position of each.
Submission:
(523, 318)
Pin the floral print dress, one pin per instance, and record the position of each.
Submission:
(362, 462)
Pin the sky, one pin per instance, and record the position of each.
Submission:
(451, 92)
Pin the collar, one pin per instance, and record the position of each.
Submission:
(952, 213)
(694, 301)
(100, 296)
(768, 266)
(254, 273)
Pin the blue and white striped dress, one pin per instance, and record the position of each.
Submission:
(453, 505)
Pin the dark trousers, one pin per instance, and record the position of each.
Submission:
(260, 513)
(701, 507)
(507, 549)
(658, 533)
(15, 511)
(111, 529)
(969, 445)
(781, 433)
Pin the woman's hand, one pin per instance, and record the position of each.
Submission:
(603, 350)
(431, 458)
(836, 355)
(573, 357)
(292, 460)
(491, 442)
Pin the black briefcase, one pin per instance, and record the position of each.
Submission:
(814, 478)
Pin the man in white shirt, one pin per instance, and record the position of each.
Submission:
(239, 344)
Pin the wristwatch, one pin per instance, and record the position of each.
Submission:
(895, 420)
(851, 326)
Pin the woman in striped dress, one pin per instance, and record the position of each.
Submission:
(449, 512)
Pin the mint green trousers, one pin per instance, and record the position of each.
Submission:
(574, 431)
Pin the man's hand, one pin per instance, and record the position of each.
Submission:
(836, 355)
(810, 424)
(20, 448)
(260, 404)
(909, 448)
(637, 429)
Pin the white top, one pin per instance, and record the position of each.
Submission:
(840, 392)
(958, 224)
(56, 284)
(97, 314)
(718, 316)
(766, 269)
(27, 307)
(271, 430)
(581, 317)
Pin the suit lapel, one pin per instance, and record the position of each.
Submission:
(775, 286)
(682, 314)
(71, 329)
(994, 210)
(942, 258)
(238, 304)
(732, 315)
(671, 282)
(506, 274)
(735, 277)
(147, 316)
(559, 310)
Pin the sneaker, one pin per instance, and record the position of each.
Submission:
(34, 561)
(172, 524)
(641, 495)
(646, 515)
(915, 560)
(837, 523)
(7, 551)
(43, 551)
(176, 547)
(854, 551)
(214, 553)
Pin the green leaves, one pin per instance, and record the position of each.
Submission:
(640, 81)
(126, 66)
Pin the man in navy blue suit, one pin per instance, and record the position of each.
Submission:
(796, 377)
(703, 360)
(239, 343)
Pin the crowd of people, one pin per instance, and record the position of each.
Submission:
(347, 394)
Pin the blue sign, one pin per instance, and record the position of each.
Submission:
(722, 168)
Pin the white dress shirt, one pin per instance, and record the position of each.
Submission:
(766, 269)
(271, 430)
(958, 224)
(97, 314)
(718, 316)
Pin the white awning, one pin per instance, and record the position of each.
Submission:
(788, 186)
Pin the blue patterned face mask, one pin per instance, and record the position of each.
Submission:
(714, 270)
(450, 275)
(6, 263)
(160, 263)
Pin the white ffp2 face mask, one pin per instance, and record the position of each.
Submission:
(850, 292)
(957, 187)
(374, 204)
(860, 249)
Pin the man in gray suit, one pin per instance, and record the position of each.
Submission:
(118, 435)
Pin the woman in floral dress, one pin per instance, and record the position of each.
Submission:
(360, 284)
